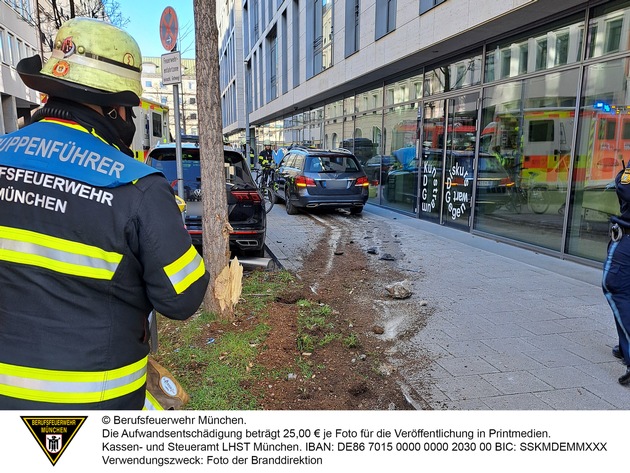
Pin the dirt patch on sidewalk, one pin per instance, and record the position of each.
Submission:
(352, 371)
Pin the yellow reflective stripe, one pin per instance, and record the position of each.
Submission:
(69, 124)
(151, 404)
(185, 270)
(71, 387)
(57, 254)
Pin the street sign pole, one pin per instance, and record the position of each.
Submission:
(172, 75)
(178, 143)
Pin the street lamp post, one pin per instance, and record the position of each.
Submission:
(247, 98)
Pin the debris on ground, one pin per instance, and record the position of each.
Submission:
(399, 290)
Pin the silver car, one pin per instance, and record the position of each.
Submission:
(315, 178)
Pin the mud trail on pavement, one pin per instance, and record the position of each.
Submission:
(348, 269)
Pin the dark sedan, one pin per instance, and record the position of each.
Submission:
(314, 178)
(246, 213)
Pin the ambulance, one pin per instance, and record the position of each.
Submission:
(152, 127)
(536, 148)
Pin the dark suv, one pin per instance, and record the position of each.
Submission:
(314, 178)
(246, 212)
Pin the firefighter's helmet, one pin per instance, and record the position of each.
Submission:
(267, 143)
(92, 61)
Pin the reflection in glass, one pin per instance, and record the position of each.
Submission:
(367, 137)
(538, 50)
(399, 152)
(334, 109)
(369, 100)
(313, 128)
(459, 170)
(403, 90)
(454, 76)
(603, 147)
(528, 127)
(609, 29)
(432, 143)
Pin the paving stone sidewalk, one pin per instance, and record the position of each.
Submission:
(512, 329)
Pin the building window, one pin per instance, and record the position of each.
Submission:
(20, 50)
(255, 21)
(352, 26)
(327, 27)
(192, 101)
(322, 35)
(426, 5)
(608, 29)
(541, 54)
(10, 49)
(385, 17)
(613, 35)
(562, 49)
(539, 50)
(148, 83)
(272, 42)
(3, 45)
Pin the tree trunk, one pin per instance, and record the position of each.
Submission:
(216, 228)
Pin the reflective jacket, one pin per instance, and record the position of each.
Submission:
(265, 158)
(90, 241)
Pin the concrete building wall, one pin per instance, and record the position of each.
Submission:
(18, 39)
(451, 27)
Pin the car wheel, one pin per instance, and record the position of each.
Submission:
(291, 210)
(275, 198)
(356, 210)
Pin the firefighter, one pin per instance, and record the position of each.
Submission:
(616, 278)
(265, 158)
(91, 240)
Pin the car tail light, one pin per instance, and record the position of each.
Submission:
(303, 181)
(247, 196)
(506, 181)
(362, 181)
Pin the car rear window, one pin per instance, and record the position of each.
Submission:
(164, 160)
(335, 164)
(236, 171)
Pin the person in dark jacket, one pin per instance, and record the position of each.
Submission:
(91, 240)
(616, 278)
(265, 158)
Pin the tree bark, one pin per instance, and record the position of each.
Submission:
(216, 227)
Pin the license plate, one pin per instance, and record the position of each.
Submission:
(485, 183)
(334, 183)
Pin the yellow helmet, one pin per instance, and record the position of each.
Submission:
(92, 61)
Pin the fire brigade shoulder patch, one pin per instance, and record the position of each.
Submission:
(625, 177)
(53, 434)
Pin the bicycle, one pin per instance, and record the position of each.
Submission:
(265, 182)
(537, 195)
(518, 197)
(517, 193)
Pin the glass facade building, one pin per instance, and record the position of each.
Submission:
(519, 138)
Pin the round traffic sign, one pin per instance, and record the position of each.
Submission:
(168, 28)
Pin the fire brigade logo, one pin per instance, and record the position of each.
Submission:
(625, 177)
(67, 47)
(53, 434)
(60, 69)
